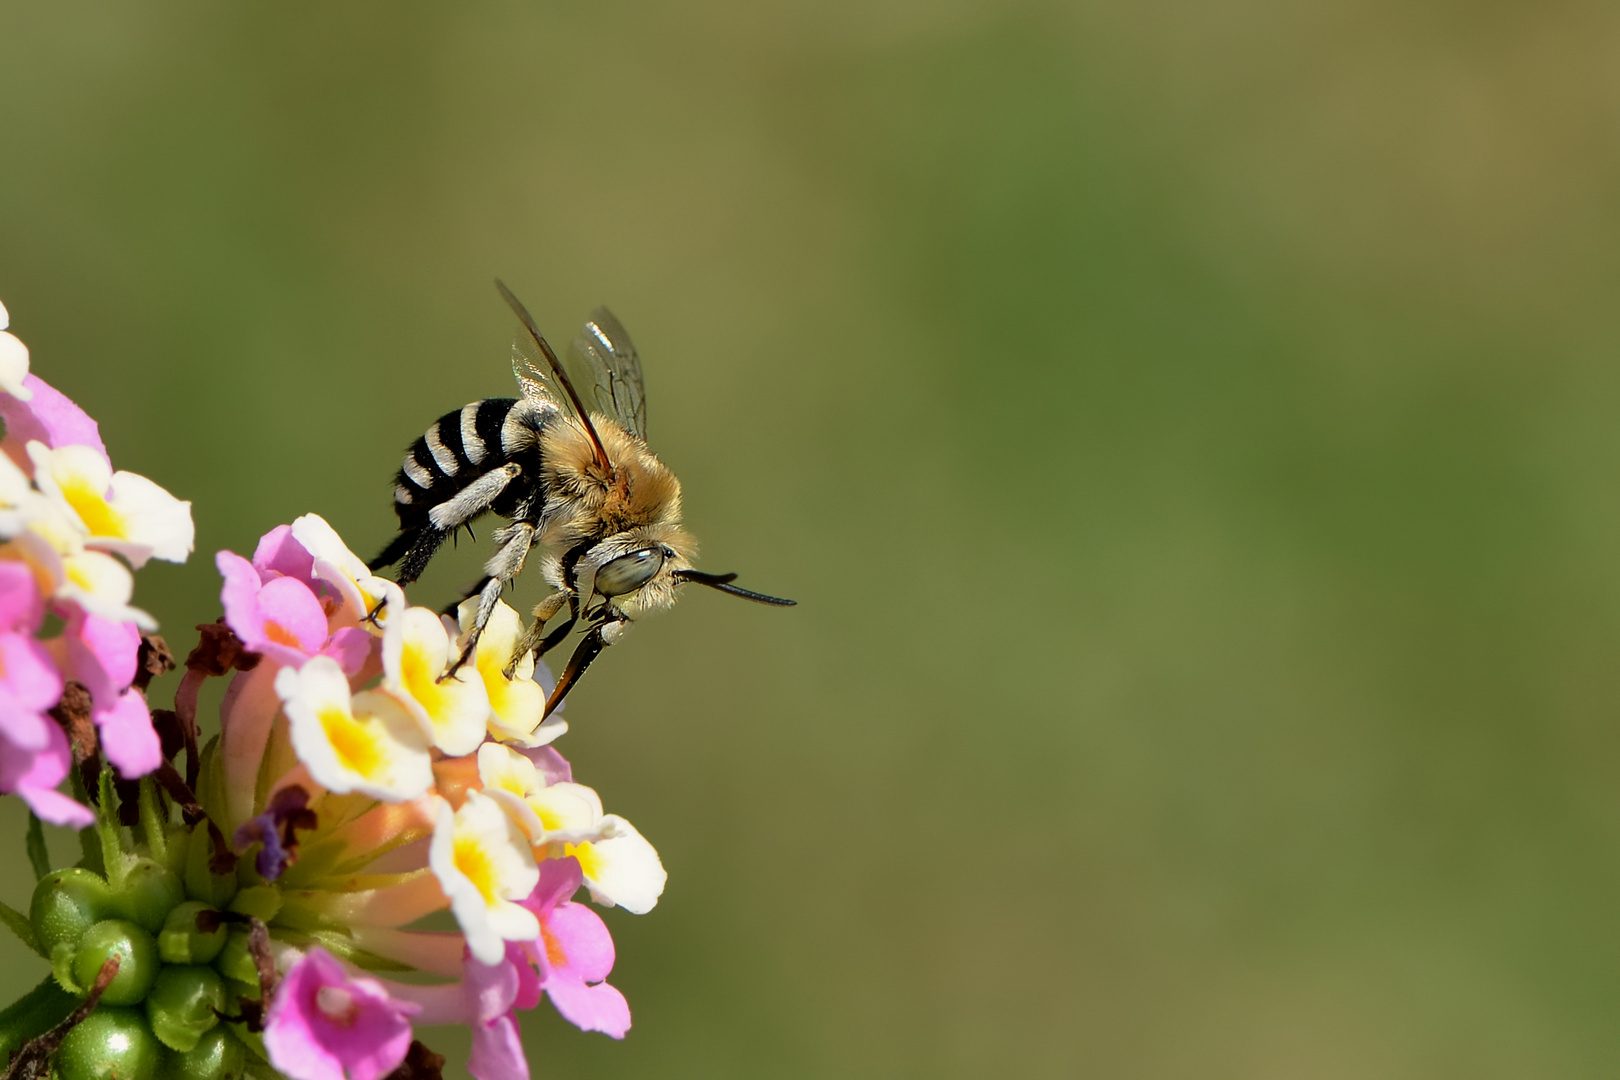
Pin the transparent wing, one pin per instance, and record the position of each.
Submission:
(604, 358)
(541, 376)
(534, 375)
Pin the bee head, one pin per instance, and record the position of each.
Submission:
(635, 571)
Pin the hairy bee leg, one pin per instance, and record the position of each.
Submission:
(473, 499)
(427, 541)
(503, 566)
(589, 649)
(397, 547)
(534, 634)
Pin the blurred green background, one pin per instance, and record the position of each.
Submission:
(1189, 428)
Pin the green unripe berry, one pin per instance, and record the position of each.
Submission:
(67, 903)
(235, 960)
(137, 960)
(180, 942)
(110, 1044)
(182, 1002)
(216, 1056)
(149, 892)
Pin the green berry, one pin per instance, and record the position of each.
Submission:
(216, 1056)
(182, 1004)
(180, 942)
(235, 960)
(150, 891)
(110, 1044)
(137, 960)
(67, 903)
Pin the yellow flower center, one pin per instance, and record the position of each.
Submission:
(354, 745)
(590, 863)
(473, 861)
(92, 507)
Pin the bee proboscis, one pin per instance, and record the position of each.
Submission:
(584, 487)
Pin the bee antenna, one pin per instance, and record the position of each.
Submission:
(556, 369)
(723, 583)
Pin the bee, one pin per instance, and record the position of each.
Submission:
(582, 486)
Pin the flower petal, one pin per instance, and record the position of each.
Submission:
(324, 1022)
(127, 735)
(483, 864)
(416, 652)
(366, 742)
(622, 870)
(279, 553)
(50, 417)
(14, 367)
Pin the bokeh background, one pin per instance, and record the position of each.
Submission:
(1190, 430)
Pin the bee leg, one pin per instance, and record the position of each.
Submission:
(534, 636)
(473, 499)
(397, 547)
(503, 566)
(589, 649)
(425, 543)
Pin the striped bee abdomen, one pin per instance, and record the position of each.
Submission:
(460, 447)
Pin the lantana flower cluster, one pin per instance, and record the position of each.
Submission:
(253, 905)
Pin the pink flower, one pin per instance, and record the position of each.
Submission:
(282, 618)
(49, 417)
(101, 653)
(574, 953)
(483, 1000)
(325, 1024)
(34, 774)
(34, 754)
(280, 555)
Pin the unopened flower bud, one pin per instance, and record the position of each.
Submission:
(181, 942)
(137, 960)
(110, 1044)
(182, 1002)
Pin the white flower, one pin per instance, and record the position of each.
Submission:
(416, 652)
(121, 512)
(366, 743)
(13, 361)
(620, 867)
(483, 863)
(516, 703)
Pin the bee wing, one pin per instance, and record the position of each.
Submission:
(535, 377)
(602, 350)
(540, 375)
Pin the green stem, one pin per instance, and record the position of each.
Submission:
(110, 832)
(89, 843)
(37, 854)
(154, 820)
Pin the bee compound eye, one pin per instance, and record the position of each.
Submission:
(628, 572)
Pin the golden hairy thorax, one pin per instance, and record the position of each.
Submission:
(640, 492)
